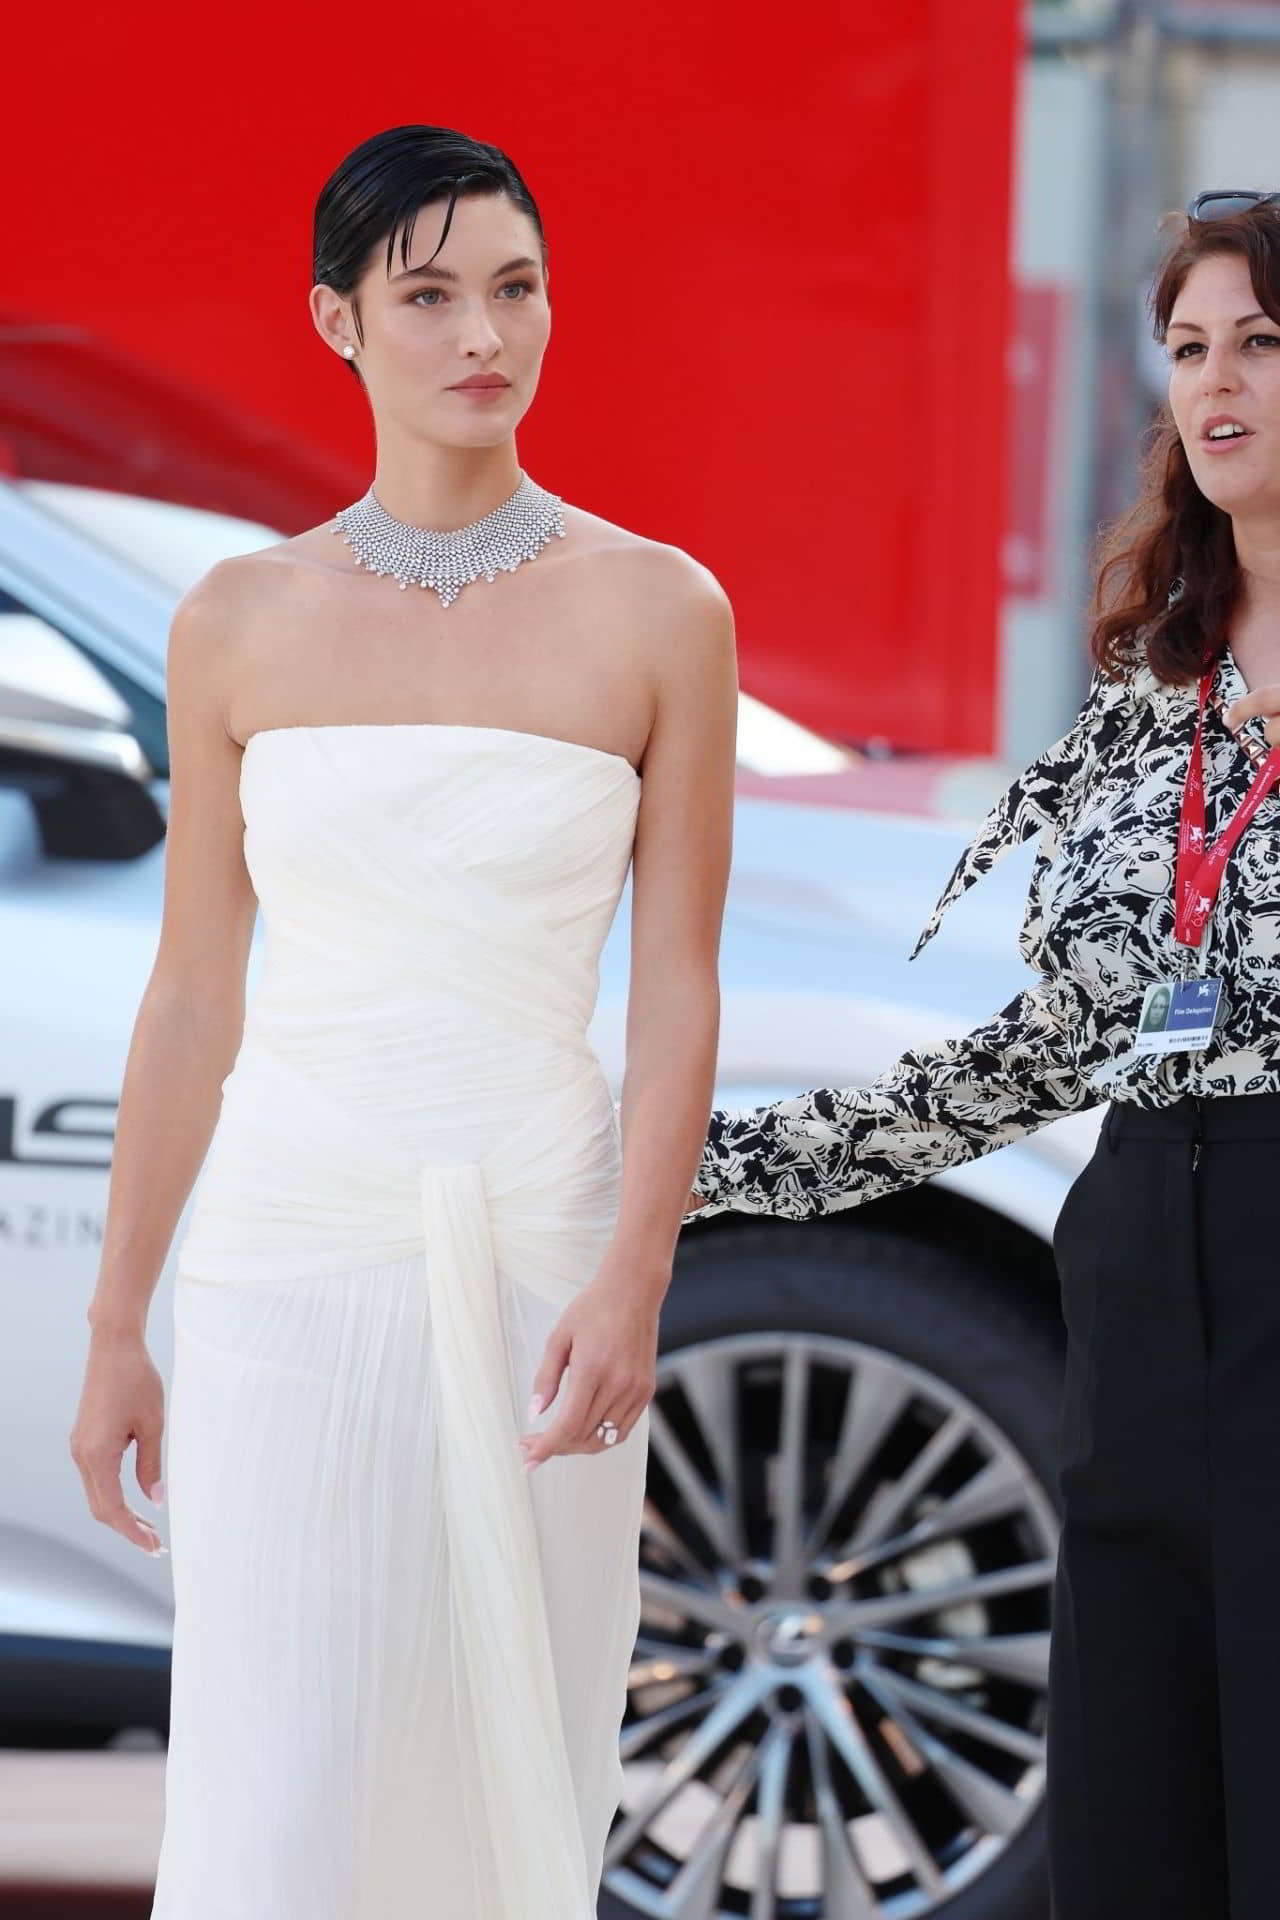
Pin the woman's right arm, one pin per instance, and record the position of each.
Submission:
(185, 1037)
(936, 1107)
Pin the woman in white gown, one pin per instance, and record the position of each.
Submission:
(405, 1599)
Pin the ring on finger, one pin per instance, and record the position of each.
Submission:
(607, 1432)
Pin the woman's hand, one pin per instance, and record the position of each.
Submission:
(122, 1400)
(696, 1200)
(1264, 701)
(607, 1340)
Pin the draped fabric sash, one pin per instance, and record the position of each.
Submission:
(499, 1614)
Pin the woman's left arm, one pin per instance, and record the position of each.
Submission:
(679, 878)
(680, 869)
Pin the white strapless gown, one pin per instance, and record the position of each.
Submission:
(399, 1661)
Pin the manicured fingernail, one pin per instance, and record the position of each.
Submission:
(157, 1549)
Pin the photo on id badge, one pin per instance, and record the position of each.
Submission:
(1178, 1015)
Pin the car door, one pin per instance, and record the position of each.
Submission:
(82, 792)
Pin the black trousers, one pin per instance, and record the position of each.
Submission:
(1164, 1690)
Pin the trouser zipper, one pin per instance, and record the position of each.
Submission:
(1196, 1136)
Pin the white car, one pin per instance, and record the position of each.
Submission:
(837, 1704)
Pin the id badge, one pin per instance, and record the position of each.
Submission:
(1178, 1016)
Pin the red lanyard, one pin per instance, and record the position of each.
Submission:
(1199, 870)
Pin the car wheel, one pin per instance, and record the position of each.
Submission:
(837, 1702)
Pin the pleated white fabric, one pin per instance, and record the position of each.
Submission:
(399, 1661)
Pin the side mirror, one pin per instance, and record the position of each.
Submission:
(65, 741)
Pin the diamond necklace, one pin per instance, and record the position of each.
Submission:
(447, 560)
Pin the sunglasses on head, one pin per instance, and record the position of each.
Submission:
(1221, 202)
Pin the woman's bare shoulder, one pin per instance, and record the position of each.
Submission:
(626, 559)
(229, 624)
(239, 585)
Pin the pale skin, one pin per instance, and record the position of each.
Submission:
(1224, 355)
(607, 638)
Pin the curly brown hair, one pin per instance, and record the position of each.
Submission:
(1173, 533)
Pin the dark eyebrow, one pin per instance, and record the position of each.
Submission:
(1190, 326)
(447, 273)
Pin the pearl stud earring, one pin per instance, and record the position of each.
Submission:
(348, 353)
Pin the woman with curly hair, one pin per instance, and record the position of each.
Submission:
(1153, 925)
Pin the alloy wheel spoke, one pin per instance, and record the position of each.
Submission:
(850, 1742)
(1023, 1657)
(692, 1603)
(858, 1614)
(846, 1891)
(732, 1707)
(983, 1798)
(878, 1394)
(707, 1510)
(657, 1662)
(789, 1558)
(998, 1488)
(886, 1507)
(933, 1704)
(656, 1527)
(771, 1808)
(695, 1892)
(636, 1739)
(708, 1376)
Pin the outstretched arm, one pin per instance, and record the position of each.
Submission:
(936, 1107)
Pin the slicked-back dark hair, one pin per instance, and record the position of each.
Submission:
(375, 193)
(1174, 532)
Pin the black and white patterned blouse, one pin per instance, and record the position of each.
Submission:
(1098, 929)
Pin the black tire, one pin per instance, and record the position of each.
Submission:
(941, 1312)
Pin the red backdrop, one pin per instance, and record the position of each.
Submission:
(779, 275)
